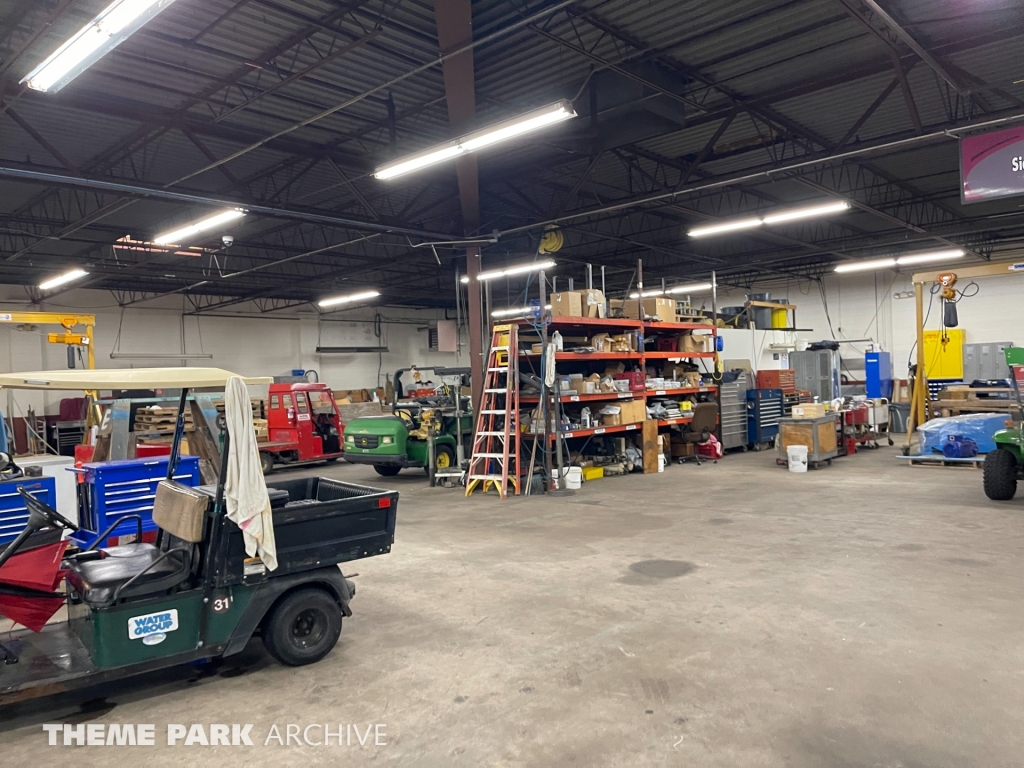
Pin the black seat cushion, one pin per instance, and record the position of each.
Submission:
(97, 580)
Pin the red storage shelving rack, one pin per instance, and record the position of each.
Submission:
(569, 326)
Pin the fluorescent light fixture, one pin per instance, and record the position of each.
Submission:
(731, 226)
(675, 289)
(336, 300)
(793, 214)
(864, 266)
(902, 261)
(515, 311)
(158, 356)
(67, 277)
(806, 213)
(509, 129)
(178, 236)
(522, 269)
(115, 24)
(692, 288)
(924, 258)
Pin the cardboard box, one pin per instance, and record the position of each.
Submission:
(633, 411)
(659, 307)
(680, 450)
(592, 303)
(567, 304)
(601, 342)
(611, 415)
(689, 342)
(809, 411)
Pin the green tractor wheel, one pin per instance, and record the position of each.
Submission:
(1001, 475)
(444, 458)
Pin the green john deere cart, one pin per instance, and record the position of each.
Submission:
(428, 412)
(1005, 465)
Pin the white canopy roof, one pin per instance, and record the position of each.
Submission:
(125, 378)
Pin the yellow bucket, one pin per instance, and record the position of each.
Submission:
(780, 318)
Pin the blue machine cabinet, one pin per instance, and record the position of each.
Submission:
(878, 373)
(764, 409)
(116, 488)
(13, 514)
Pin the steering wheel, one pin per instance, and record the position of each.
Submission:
(51, 515)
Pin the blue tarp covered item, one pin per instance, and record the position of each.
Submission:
(980, 427)
(960, 447)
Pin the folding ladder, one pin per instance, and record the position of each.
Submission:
(495, 455)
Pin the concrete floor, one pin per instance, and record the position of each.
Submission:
(868, 614)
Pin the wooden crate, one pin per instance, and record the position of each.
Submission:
(262, 430)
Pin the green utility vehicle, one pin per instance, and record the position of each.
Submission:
(194, 595)
(427, 412)
(1005, 465)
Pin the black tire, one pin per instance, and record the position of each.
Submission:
(440, 450)
(386, 470)
(1001, 475)
(266, 462)
(303, 627)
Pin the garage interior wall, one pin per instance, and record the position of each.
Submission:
(861, 306)
(248, 345)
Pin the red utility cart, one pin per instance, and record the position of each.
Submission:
(304, 426)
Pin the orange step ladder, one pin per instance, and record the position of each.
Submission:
(495, 457)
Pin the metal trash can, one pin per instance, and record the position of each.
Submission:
(899, 417)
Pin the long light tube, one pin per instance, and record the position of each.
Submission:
(494, 274)
(509, 129)
(179, 236)
(336, 300)
(806, 213)
(515, 311)
(731, 226)
(924, 258)
(864, 266)
(902, 261)
(782, 217)
(691, 288)
(59, 280)
(115, 24)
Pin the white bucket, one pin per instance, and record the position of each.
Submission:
(797, 458)
(661, 462)
(573, 478)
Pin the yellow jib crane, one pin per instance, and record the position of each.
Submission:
(69, 322)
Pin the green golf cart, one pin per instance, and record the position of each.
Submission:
(427, 413)
(194, 594)
(1005, 465)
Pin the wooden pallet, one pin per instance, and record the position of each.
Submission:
(937, 460)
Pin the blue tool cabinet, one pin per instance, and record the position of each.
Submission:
(115, 488)
(764, 409)
(13, 514)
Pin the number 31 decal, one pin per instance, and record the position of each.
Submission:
(222, 604)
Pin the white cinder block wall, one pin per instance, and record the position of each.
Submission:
(254, 346)
(860, 305)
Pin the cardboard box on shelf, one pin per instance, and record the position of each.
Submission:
(593, 303)
(611, 415)
(633, 411)
(567, 304)
(689, 342)
(537, 348)
(657, 308)
(600, 342)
